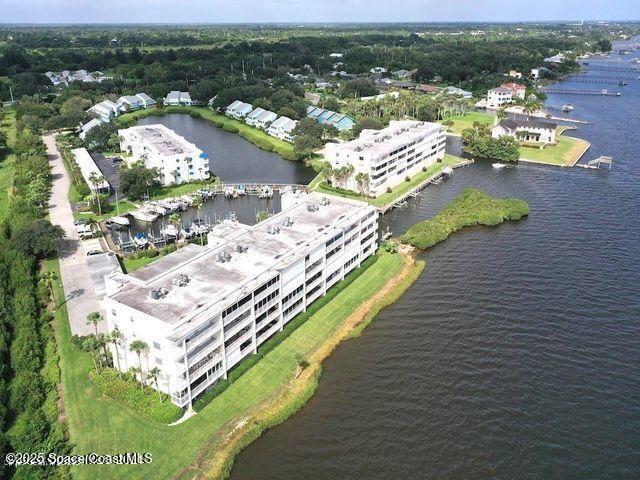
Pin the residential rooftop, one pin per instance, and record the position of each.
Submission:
(163, 140)
(397, 134)
(254, 254)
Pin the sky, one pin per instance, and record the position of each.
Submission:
(269, 11)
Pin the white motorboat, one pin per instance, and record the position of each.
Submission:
(120, 220)
(141, 240)
(199, 227)
(498, 165)
(144, 215)
(158, 208)
(231, 192)
(187, 233)
(265, 192)
(170, 231)
(567, 107)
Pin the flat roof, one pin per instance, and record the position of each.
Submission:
(88, 167)
(162, 140)
(214, 285)
(397, 134)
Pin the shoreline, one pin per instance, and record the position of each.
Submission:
(302, 387)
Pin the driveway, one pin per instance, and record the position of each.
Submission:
(78, 288)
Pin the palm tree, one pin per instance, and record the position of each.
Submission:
(198, 203)
(154, 373)
(49, 276)
(93, 319)
(175, 219)
(96, 180)
(92, 345)
(138, 346)
(115, 339)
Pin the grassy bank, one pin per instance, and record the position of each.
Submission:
(566, 153)
(460, 122)
(8, 126)
(399, 190)
(249, 133)
(471, 207)
(105, 425)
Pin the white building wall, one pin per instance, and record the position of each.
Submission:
(260, 322)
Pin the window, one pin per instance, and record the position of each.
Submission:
(158, 361)
(156, 345)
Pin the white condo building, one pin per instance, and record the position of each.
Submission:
(389, 155)
(177, 160)
(202, 309)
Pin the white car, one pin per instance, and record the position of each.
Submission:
(84, 230)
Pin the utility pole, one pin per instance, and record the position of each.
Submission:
(11, 93)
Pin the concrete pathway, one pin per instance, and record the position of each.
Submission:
(80, 297)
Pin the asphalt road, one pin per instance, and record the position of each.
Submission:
(80, 296)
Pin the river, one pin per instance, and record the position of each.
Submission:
(514, 356)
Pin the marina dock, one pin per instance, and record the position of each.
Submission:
(433, 179)
(576, 91)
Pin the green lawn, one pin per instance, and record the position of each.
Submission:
(249, 133)
(106, 426)
(396, 192)
(566, 153)
(6, 162)
(461, 122)
(133, 264)
(123, 207)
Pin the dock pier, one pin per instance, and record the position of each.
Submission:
(575, 91)
(433, 179)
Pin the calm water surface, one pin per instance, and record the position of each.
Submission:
(233, 159)
(515, 355)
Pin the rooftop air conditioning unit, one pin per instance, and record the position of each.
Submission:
(287, 222)
(157, 293)
(240, 248)
(181, 280)
(273, 229)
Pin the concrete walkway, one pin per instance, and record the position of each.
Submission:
(80, 297)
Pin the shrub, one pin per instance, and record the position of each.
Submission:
(230, 128)
(471, 207)
(146, 402)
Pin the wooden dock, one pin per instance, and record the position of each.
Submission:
(435, 178)
(597, 163)
(576, 91)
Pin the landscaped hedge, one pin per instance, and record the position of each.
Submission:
(277, 339)
(146, 402)
(471, 207)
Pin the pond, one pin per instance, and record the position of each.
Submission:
(233, 159)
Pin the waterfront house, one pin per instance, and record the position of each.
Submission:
(497, 97)
(335, 55)
(328, 117)
(177, 160)
(459, 92)
(238, 110)
(404, 74)
(282, 128)
(517, 90)
(105, 111)
(386, 157)
(528, 131)
(87, 127)
(378, 70)
(135, 102)
(177, 98)
(260, 118)
(204, 309)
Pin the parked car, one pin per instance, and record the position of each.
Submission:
(84, 230)
(116, 160)
(94, 252)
